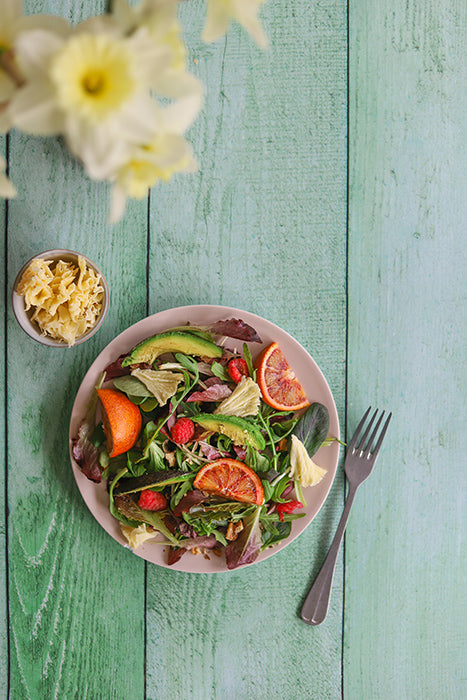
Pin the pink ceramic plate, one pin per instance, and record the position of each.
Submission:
(307, 372)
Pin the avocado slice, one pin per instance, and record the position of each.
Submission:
(172, 341)
(239, 430)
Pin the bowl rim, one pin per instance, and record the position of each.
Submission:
(18, 301)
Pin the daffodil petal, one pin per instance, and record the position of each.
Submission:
(34, 50)
(178, 85)
(7, 86)
(245, 12)
(153, 59)
(181, 114)
(12, 12)
(251, 23)
(33, 109)
(124, 14)
(117, 203)
(7, 188)
(139, 119)
(217, 20)
(99, 148)
(58, 25)
(5, 120)
(97, 25)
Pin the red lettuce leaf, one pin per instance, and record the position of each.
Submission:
(115, 369)
(192, 498)
(240, 451)
(236, 328)
(211, 452)
(85, 453)
(176, 553)
(216, 392)
(246, 548)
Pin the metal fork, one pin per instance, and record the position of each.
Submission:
(358, 465)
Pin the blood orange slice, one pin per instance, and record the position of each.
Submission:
(121, 420)
(231, 479)
(279, 385)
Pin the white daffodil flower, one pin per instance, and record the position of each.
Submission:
(94, 87)
(220, 13)
(166, 154)
(159, 17)
(12, 23)
(88, 78)
(7, 188)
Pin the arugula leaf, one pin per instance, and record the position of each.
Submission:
(189, 408)
(156, 456)
(155, 480)
(248, 359)
(112, 507)
(257, 460)
(187, 362)
(134, 464)
(275, 528)
(233, 510)
(268, 490)
(179, 490)
(219, 370)
(279, 488)
(274, 532)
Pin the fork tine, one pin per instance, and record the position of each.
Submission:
(366, 449)
(362, 443)
(357, 432)
(374, 454)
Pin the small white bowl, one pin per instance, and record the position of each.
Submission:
(24, 317)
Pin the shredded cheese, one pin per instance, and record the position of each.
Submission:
(66, 300)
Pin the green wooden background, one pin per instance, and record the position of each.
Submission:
(330, 199)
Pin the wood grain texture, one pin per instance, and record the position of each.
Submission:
(76, 606)
(3, 564)
(261, 227)
(62, 590)
(405, 557)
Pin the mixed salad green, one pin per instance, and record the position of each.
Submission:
(188, 377)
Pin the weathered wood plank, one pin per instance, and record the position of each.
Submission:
(404, 631)
(267, 208)
(76, 598)
(59, 558)
(3, 572)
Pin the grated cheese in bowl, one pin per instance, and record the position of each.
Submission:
(63, 297)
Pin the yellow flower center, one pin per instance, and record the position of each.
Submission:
(138, 177)
(93, 83)
(141, 173)
(94, 75)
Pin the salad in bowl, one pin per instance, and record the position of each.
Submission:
(203, 439)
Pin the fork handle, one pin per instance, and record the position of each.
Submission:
(316, 604)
